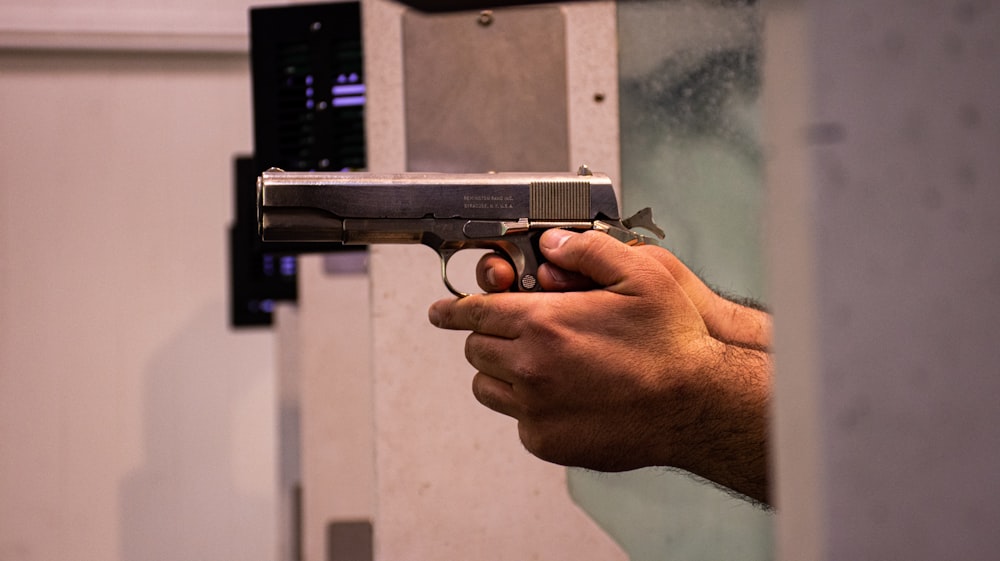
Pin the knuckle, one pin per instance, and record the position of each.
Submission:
(475, 311)
(587, 245)
(480, 353)
(544, 332)
(525, 370)
(481, 391)
(541, 441)
(539, 323)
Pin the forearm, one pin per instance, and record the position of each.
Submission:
(728, 440)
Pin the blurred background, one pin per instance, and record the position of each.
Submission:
(134, 423)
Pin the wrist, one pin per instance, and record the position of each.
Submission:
(726, 441)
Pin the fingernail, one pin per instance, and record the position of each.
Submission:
(491, 277)
(555, 238)
(434, 315)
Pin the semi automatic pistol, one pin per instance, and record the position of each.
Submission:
(505, 212)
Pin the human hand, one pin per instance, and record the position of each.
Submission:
(727, 321)
(622, 375)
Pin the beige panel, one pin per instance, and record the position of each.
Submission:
(338, 472)
(453, 480)
(486, 92)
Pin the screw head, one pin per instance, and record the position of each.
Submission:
(485, 18)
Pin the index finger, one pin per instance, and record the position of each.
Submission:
(498, 315)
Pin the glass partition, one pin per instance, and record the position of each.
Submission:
(689, 84)
(689, 74)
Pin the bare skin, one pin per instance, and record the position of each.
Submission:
(626, 360)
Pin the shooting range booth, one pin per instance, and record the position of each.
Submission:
(170, 389)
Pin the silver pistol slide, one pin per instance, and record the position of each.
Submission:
(505, 212)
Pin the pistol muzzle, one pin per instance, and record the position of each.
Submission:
(299, 225)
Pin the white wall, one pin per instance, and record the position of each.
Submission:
(133, 423)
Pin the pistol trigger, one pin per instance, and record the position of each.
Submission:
(446, 254)
(644, 219)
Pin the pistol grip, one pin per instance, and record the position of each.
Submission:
(523, 253)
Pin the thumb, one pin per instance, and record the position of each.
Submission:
(726, 320)
(597, 256)
(700, 294)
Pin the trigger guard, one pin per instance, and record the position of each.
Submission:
(445, 256)
(524, 275)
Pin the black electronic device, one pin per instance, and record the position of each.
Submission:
(257, 279)
(308, 115)
(308, 87)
